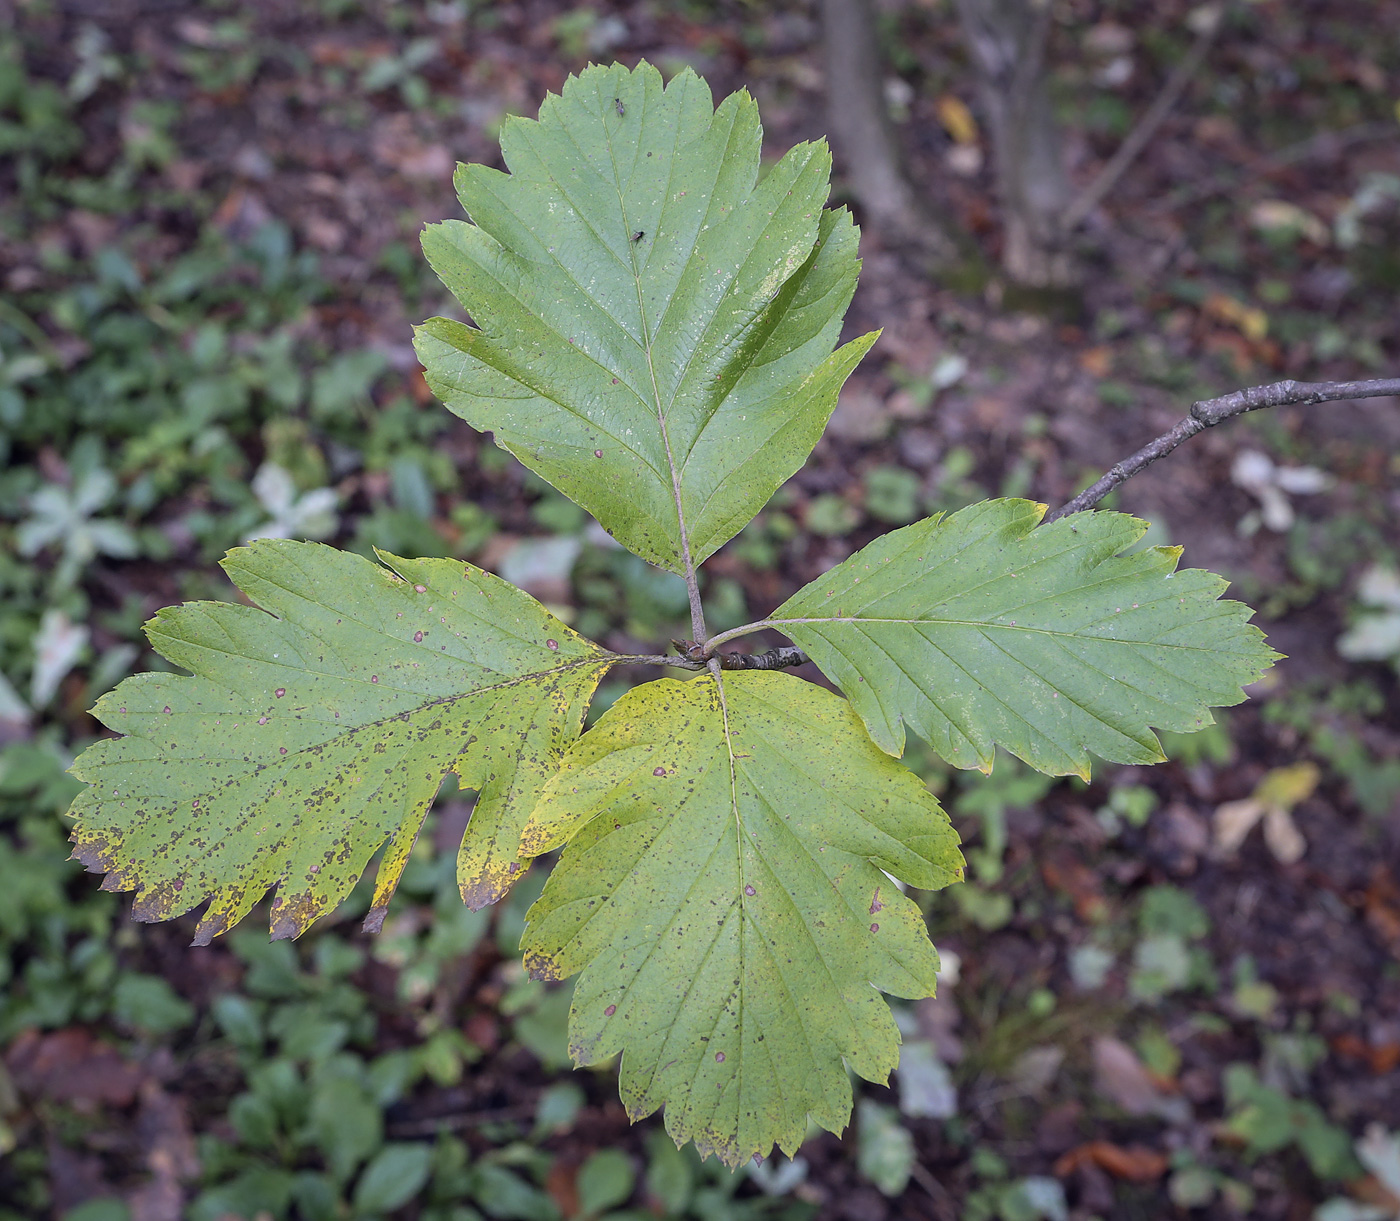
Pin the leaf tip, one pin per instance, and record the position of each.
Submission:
(207, 931)
(292, 917)
(488, 885)
(541, 966)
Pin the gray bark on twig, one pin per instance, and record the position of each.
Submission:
(1206, 413)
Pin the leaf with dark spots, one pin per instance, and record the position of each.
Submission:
(315, 729)
(718, 906)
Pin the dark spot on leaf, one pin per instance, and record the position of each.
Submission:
(609, 1011)
(279, 693)
(541, 966)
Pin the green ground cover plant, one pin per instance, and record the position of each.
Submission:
(652, 330)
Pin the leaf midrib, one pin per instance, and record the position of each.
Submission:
(987, 625)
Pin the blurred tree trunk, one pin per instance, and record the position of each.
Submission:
(863, 135)
(1006, 41)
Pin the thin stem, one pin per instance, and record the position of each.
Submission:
(734, 633)
(1142, 134)
(1206, 413)
(692, 589)
(781, 657)
(658, 659)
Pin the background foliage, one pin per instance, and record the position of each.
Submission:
(208, 236)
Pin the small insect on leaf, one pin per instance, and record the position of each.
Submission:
(621, 109)
(637, 237)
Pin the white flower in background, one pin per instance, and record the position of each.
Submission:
(1272, 485)
(1377, 192)
(1379, 1152)
(56, 648)
(1375, 636)
(312, 516)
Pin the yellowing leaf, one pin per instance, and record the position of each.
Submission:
(726, 893)
(1250, 321)
(319, 727)
(1273, 801)
(1286, 787)
(956, 118)
(1280, 216)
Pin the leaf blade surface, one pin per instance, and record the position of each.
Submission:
(980, 629)
(726, 893)
(320, 727)
(647, 314)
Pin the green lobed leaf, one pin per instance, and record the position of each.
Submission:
(319, 727)
(727, 893)
(667, 382)
(981, 630)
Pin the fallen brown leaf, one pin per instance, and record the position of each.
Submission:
(1382, 1058)
(1136, 1163)
(1097, 362)
(71, 1066)
(1073, 878)
(1382, 907)
(1122, 1078)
